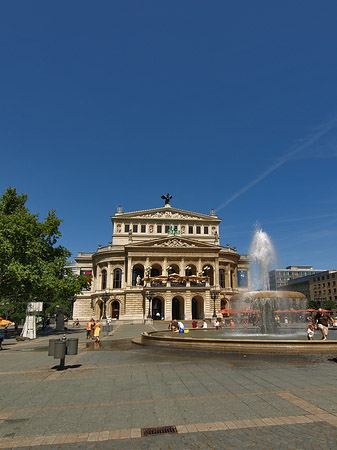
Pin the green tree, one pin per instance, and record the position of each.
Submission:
(32, 266)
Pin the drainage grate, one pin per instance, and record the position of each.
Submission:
(159, 430)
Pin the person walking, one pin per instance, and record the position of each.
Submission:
(97, 331)
(321, 322)
(89, 328)
(92, 328)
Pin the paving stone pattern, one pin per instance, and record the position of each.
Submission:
(109, 392)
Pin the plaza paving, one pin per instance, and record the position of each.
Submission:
(110, 392)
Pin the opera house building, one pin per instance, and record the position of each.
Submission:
(162, 263)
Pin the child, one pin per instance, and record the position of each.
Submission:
(310, 332)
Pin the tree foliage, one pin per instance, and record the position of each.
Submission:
(32, 266)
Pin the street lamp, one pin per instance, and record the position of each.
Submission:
(149, 296)
(105, 298)
(214, 295)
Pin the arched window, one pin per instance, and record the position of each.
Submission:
(104, 278)
(222, 278)
(117, 279)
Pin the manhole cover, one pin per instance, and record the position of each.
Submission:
(158, 430)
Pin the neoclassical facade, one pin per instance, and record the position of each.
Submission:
(162, 263)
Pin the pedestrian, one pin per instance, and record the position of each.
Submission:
(232, 323)
(204, 324)
(216, 324)
(310, 332)
(89, 328)
(92, 328)
(194, 324)
(97, 330)
(174, 325)
(2, 337)
(321, 322)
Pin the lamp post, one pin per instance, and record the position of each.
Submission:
(214, 295)
(105, 298)
(149, 296)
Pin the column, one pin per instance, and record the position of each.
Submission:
(216, 274)
(228, 277)
(168, 306)
(188, 305)
(208, 309)
(182, 267)
(129, 282)
(109, 283)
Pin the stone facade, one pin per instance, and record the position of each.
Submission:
(162, 263)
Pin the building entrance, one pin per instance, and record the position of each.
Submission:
(177, 308)
(115, 310)
(157, 308)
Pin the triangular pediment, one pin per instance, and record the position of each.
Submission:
(166, 213)
(172, 242)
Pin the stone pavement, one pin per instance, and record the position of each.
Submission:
(109, 393)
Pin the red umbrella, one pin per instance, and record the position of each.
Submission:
(311, 310)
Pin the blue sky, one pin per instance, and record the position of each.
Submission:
(230, 105)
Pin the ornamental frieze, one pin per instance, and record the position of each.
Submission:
(166, 214)
(174, 243)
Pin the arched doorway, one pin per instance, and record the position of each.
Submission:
(177, 308)
(223, 303)
(197, 308)
(157, 308)
(173, 268)
(155, 270)
(115, 310)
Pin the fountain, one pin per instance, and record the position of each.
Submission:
(265, 302)
(268, 337)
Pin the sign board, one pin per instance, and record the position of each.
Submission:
(34, 307)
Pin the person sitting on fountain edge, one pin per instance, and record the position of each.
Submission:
(321, 322)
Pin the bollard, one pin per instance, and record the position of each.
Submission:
(72, 346)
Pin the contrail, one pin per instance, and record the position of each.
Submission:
(329, 126)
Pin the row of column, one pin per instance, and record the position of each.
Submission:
(97, 281)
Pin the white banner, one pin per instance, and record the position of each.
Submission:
(34, 307)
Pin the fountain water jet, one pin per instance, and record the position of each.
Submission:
(266, 302)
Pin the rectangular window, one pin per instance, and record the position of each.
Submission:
(143, 228)
(190, 229)
(126, 228)
(135, 228)
(198, 229)
(205, 230)
(167, 227)
(159, 229)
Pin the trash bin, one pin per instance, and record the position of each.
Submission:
(60, 349)
(51, 348)
(72, 346)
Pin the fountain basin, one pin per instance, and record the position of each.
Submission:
(237, 345)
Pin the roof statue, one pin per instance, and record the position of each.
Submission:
(167, 198)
